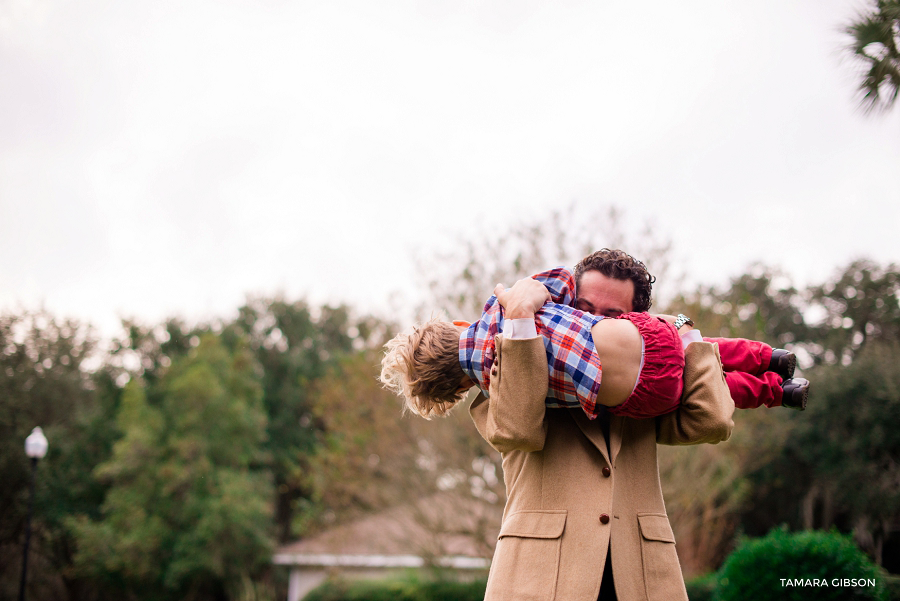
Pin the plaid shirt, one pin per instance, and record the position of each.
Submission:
(574, 365)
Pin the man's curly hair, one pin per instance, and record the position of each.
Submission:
(619, 265)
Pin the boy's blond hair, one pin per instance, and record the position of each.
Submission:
(423, 367)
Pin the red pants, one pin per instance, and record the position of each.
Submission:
(745, 363)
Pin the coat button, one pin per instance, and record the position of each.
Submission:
(604, 518)
(606, 472)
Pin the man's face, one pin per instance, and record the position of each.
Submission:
(602, 295)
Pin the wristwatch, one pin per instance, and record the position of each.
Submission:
(683, 320)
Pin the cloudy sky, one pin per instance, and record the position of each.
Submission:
(162, 157)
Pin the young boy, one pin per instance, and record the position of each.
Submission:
(435, 366)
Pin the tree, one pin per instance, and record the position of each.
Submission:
(296, 344)
(459, 281)
(45, 381)
(876, 45)
(860, 304)
(188, 510)
(707, 489)
(372, 457)
(818, 478)
(147, 351)
(851, 439)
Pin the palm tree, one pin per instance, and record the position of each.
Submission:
(876, 38)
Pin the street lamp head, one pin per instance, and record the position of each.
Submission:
(36, 444)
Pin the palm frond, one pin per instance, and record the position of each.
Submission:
(875, 40)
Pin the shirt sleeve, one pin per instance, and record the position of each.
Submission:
(689, 337)
(519, 329)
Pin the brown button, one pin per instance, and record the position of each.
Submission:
(606, 472)
(604, 519)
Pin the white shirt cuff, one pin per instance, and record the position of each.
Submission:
(519, 329)
(689, 337)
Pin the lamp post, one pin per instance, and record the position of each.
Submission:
(35, 448)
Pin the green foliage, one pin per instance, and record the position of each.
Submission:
(410, 589)
(285, 395)
(367, 457)
(43, 382)
(861, 304)
(148, 351)
(852, 433)
(188, 511)
(757, 568)
(838, 460)
(707, 489)
(832, 465)
(702, 588)
(876, 44)
(296, 345)
(761, 304)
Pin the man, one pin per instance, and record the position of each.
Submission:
(585, 517)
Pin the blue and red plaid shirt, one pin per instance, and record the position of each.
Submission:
(574, 365)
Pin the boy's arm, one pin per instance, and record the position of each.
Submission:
(513, 417)
(706, 410)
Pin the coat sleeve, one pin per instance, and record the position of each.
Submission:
(706, 410)
(512, 418)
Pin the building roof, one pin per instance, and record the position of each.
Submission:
(450, 528)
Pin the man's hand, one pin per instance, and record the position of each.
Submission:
(524, 299)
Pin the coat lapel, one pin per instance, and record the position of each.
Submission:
(616, 427)
(592, 430)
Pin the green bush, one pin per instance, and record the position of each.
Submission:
(364, 590)
(799, 566)
(411, 589)
(448, 590)
(702, 588)
(893, 586)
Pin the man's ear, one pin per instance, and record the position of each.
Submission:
(464, 324)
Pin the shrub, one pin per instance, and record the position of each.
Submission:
(893, 586)
(410, 589)
(702, 588)
(363, 590)
(449, 590)
(798, 566)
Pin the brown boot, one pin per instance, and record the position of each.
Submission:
(783, 363)
(796, 393)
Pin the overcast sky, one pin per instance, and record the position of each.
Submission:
(162, 157)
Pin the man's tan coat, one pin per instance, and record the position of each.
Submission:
(564, 508)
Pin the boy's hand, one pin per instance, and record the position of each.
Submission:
(671, 319)
(524, 299)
